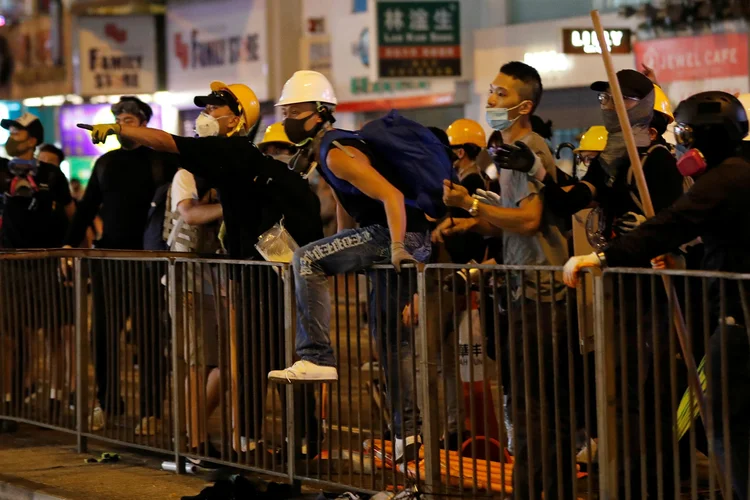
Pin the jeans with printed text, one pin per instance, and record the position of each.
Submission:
(351, 251)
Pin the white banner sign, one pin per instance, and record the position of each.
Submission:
(218, 40)
(350, 53)
(117, 55)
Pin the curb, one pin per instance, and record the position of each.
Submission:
(13, 488)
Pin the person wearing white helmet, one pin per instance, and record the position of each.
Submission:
(388, 230)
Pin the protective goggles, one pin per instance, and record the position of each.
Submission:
(683, 134)
(605, 98)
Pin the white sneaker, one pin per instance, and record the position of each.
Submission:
(304, 371)
(408, 449)
(149, 426)
(97, 420)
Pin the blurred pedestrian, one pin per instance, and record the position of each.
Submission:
(121, 189)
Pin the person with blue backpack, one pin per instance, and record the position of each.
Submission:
(386, 178)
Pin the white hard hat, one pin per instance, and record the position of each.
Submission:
(307, 86)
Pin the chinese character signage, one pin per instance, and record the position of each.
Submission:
(117, 55)
(585, 41)
(218, 40)
(418, 39)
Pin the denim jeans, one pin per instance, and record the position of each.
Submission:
(350, 251)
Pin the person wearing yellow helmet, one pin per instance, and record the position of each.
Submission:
(592, 144)
(467, 139)
(276, 143)
(255, 191)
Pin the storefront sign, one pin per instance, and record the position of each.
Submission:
(585, 41)
(696, 57)
(418, 39)
(351, 73)
(218, 40)
(117, 55)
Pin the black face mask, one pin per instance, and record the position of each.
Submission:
(295, 130)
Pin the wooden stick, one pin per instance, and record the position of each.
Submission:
(648, 208)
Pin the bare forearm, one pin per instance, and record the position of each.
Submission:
(395, 212)
(198, 215)
(155, 139)
(515, 220)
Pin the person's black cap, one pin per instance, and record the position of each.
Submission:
(218, 98)
(28, 122)
(632, 84)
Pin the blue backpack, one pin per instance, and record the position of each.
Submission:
(413, 154)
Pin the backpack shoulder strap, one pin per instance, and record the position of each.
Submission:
(332, 138)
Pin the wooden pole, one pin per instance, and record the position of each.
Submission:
(648, 208)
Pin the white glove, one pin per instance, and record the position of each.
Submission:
(575, 264)
(630, 221)
(488, 197)
(399, 255)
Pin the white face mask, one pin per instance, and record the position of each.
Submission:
(206, 125)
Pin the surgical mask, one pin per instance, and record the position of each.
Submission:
(207, 125)
(295, 130)
(13, 147)
(497, 118)
(692, 163)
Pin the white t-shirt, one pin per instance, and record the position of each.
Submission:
(183, 188)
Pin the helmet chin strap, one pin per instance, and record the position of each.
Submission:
(237, 128)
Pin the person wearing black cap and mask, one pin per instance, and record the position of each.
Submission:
(609, 183)
(33, 196)
(256, 192)
(120, 190)
(716, 209)
(33, 191)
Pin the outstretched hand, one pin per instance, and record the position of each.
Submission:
(99, 133)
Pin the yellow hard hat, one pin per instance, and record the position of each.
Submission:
(465, 131)
(275, 133)
(661, 104)
(249, 105)
(745, 100)
(594, 139)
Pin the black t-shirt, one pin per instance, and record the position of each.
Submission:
(33, 222)
(367, 211)
(120, 190)
(255, 191)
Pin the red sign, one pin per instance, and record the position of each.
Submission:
(695, 57)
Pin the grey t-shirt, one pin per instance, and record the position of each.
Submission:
(548, 247)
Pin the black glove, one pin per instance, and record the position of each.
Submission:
(515, 157)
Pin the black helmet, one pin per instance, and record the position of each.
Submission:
(716, 111)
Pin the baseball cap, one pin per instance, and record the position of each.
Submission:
(28, 122)
(632, 83)
(218, 98)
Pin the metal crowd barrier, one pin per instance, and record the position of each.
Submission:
(492, 368)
